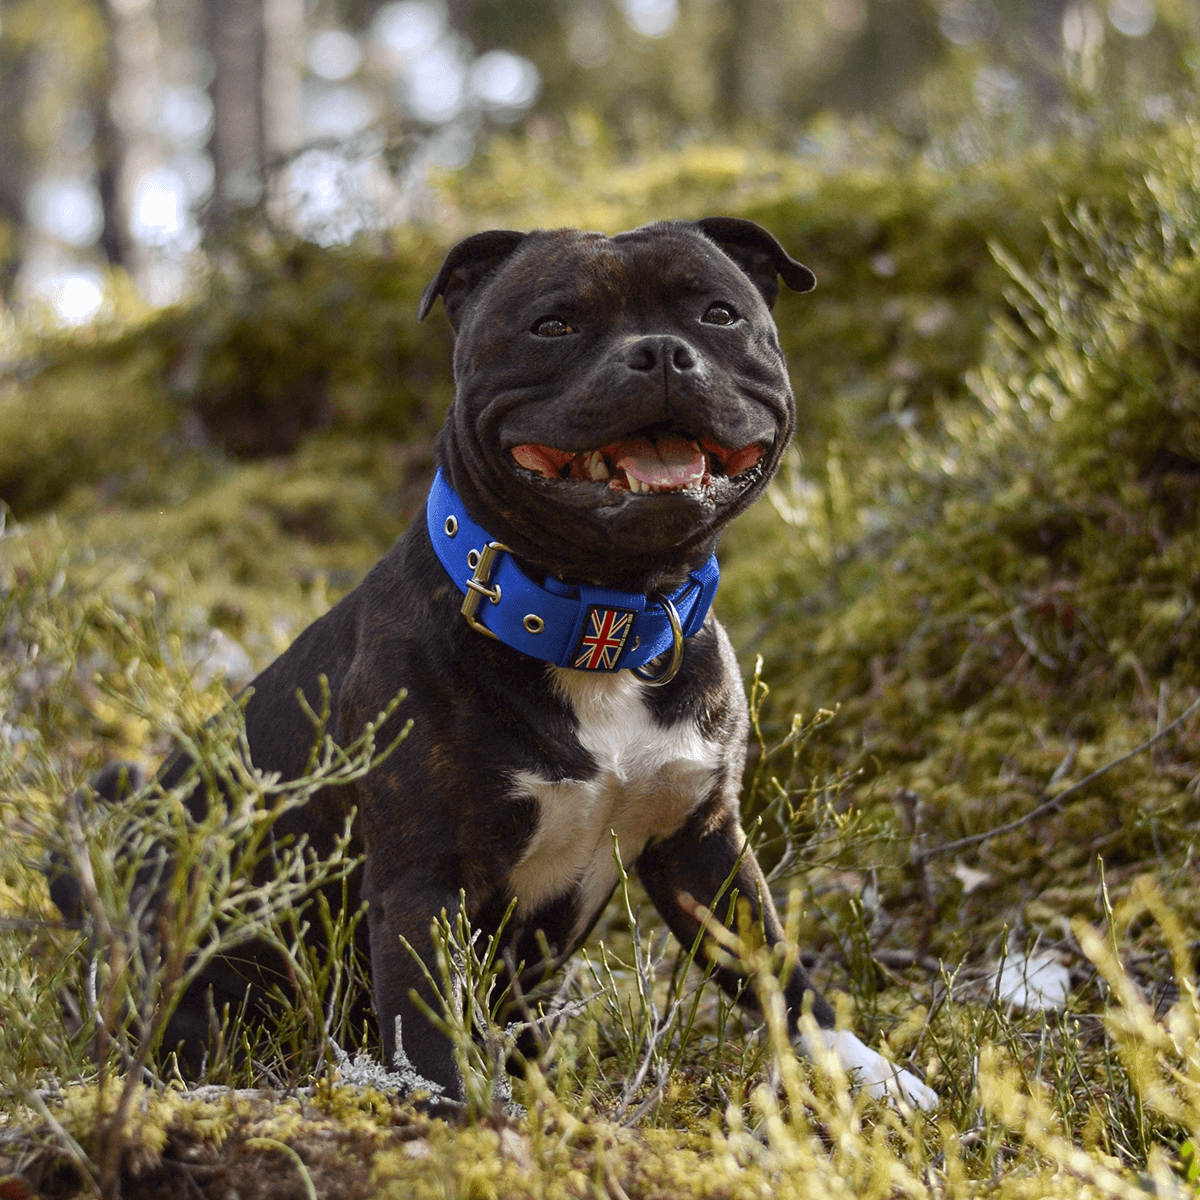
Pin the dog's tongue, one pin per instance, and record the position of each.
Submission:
(670, 463)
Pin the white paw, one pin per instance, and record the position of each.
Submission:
(869, 1069)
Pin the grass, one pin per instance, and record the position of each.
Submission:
(974, 610)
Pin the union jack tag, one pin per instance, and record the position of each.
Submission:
(605, 633)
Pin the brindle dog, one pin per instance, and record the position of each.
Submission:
(618, 401)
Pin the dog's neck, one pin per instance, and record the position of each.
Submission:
(572, 625)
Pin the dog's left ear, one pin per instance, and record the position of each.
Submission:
(759, 255)
(466, 266)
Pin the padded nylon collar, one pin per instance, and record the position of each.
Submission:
(585, 627)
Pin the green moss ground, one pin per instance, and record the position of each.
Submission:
(980, 562)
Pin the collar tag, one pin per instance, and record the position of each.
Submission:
(602, 642)
(580, 626)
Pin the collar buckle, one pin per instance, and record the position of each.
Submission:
(477, 587)
(672, 668)
(558, 622)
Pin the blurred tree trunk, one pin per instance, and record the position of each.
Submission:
(893, 47)
(133, 151)
(1043, 48)
(283, 128)
(283, 56)
(257, 48)
(457, 13)
(114, 237)
(235, 34)
(741, 78)
(14, 68)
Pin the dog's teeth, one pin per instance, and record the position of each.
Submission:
(595, 465)
(635, 484)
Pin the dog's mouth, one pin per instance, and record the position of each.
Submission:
(646, 462)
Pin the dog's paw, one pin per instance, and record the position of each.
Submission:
(869, 1069)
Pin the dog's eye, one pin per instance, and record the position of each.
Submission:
(551, 327)
(720, 314)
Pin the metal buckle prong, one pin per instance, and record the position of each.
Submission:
(477, 586)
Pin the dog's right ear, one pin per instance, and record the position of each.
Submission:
(467, 264)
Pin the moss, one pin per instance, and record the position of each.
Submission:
(1009, 604)
(288, 337)
(96, 412)
(984, 562)
(291, 337)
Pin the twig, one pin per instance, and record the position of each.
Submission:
(631, 1088)
(614, 1183)
(1028, 640)
(651, 1101)
(1054, 801)
(32, 925)
(73, 1149)
(897, 957)
(269, 1143)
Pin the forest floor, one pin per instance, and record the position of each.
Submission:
(967, 619)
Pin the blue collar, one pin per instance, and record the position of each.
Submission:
(572, 625)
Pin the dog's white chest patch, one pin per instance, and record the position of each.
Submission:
(648, 778)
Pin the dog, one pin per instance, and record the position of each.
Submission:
(618, 401)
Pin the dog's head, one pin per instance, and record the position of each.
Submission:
(617, 400)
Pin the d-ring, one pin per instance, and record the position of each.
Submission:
(676, 649)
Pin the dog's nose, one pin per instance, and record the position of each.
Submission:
(650, 353)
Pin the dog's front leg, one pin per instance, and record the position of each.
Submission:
(689, 868)
(402, 910)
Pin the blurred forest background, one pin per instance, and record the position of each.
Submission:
(975, 576)
(133, 130)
